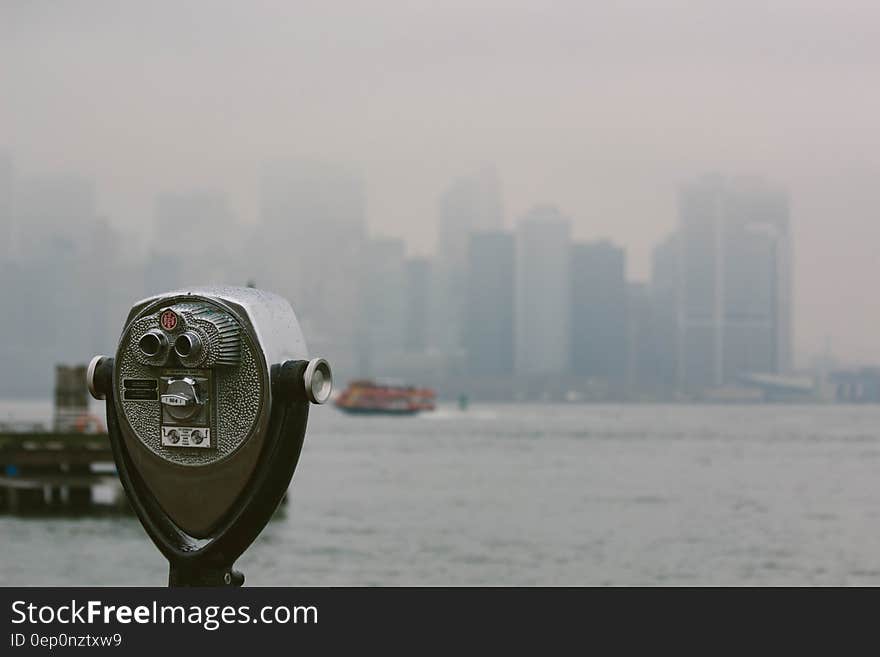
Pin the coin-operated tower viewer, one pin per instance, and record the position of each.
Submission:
(207, 402)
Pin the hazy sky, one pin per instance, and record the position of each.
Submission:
(603, 108)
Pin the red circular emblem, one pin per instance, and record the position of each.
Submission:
(168, 320)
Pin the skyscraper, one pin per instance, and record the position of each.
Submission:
(639, 332)
(383, 313)
(418, 301)
(489, 312)
(56, 216)
(194, 236)
(470, 204)
(599, 312)
(659, 367)
(308, 248)
(543, 297)
(52, 213)
(734, 296)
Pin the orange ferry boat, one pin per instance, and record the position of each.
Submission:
(371, 398)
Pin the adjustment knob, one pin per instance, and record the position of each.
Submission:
(318, 381)
(182, 399)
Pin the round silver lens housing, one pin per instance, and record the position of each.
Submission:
(318, 379)
(189, 348)
(90, 377)
(153, 343)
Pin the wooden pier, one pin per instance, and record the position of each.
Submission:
(42, 471)
(56, 471)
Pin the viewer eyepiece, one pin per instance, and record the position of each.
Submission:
(188, 346)
(318, 379)
(152, 343)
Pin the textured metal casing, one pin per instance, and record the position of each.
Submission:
(196, 486)
(270, 317)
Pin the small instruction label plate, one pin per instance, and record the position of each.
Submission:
(140, 389)
(140, 395)
(198, 437)
(140, 384)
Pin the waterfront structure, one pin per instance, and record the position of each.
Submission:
(855, 386)
(489, 311)
(599, 312)
(543, 297)
(54, 471)
(734, 292)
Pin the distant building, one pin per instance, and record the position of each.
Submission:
(192, 220)
(308, 247)
(543, 297)
(383, 313)
(56, 219)
(734, 297)
(194, 236)
(640, 355)
(599, 312)
(857, 386)
(489, 314)
(470, 204)
(418, 304)
(52, 214)
(659, 363)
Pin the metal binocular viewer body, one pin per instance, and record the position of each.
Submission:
(207, 402)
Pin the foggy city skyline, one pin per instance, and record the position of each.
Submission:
(557, 313)
(412, 97)
(557, 293)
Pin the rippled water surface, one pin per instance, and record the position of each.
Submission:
(537, 494)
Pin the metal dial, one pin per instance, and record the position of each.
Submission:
(182, 400)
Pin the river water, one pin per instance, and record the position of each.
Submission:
(535, 494)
